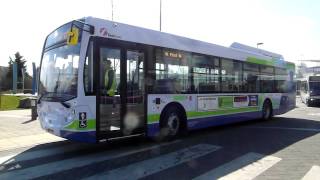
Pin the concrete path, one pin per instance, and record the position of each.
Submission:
(18, 130)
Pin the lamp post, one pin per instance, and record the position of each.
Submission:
(112, 10)
(160, 14)
(258, 44)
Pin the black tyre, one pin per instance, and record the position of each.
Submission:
(170, 123)
(267, 110)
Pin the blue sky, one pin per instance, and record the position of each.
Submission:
(288, 27)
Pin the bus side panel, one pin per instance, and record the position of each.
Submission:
(205, 122)
(204, 110)
(225, 108)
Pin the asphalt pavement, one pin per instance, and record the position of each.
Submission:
(286, 147)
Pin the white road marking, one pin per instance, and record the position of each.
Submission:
(245, 167)
(314, 114)
(29, 155)
(285, 128)
(67, 164)
(313, 173)
(154, 165)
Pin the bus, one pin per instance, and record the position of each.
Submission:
(310, 90)
(102, 80)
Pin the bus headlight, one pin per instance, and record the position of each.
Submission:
(70, 116)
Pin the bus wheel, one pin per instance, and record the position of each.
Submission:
(266, 110)
(170, 124)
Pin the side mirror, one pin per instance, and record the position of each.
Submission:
(73, 36)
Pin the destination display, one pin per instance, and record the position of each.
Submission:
(172, 54)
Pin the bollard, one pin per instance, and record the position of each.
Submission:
(34, 109)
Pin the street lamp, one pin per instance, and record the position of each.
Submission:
(160, 14)
(258, 44)
(112, 10)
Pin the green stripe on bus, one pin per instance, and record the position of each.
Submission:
(225, 101)
(221, 112)
(153, 117)
(91, 125)
(180, 98)
(261, 61)
(156, 117)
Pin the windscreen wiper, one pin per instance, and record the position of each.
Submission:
(55, 98)
(42, 95)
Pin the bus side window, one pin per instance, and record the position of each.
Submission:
(88, 71)
(306, 88)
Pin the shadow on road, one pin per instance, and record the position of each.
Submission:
(28, 121)
(236, 140)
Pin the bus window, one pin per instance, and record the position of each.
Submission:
(250, 77)
(280, 80)
(205, 74)
(231, 76)
(135, 81)
(172, 71)
(266, 78)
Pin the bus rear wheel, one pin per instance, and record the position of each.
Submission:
(267, 110)
(170, 124)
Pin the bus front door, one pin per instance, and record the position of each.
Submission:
(121, 93)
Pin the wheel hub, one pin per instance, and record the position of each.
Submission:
(173, 124)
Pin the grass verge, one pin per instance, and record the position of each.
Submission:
(9, 102)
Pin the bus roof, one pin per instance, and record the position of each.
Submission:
(120, 31)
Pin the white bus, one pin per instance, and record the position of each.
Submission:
(101, 80)
(310, 90)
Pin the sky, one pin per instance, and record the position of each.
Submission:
(287, 27)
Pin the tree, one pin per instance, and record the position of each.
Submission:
(21, 64)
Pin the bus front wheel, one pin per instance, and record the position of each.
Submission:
(170, 123)
(267, 110)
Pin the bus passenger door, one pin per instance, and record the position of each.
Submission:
(109, 96)
(133, 119)
(121, 96)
